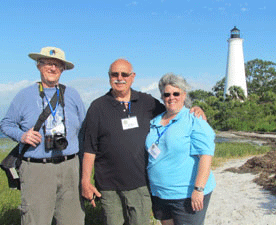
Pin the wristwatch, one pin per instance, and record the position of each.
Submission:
(200, 189)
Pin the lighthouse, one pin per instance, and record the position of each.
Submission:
(235, 71)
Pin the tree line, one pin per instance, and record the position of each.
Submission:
(257, 112)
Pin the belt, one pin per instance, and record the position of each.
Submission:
(54, 160)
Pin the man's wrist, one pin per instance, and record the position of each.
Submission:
(85, 181)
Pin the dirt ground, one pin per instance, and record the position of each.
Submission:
(264, 166)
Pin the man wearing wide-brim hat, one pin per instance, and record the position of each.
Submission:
(49, 172)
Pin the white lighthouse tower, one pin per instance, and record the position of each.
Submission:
(235, 71)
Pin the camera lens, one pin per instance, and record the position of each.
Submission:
(61, 142)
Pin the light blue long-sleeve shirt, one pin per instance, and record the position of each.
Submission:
(25, 109)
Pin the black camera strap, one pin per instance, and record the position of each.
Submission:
(47, 111)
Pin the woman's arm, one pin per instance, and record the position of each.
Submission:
(203, 173)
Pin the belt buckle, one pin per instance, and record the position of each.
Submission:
(56, 160)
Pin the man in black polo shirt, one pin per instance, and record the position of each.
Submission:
(116, 127)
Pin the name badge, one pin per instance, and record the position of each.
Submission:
(14, 173)
(58, 129)
(154, 151)
(130, 123)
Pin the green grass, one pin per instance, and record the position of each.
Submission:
(10, 199)
(225, 151)
(6, 144)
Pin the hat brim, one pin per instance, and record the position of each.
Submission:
(37, 56)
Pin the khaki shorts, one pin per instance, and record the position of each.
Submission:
(126, 207)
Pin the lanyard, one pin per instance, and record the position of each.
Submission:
(160, 135)
(51, 108)
(60, 93)
(129, 107)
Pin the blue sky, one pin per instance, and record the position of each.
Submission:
(187, 37)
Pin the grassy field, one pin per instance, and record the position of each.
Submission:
(10, 199)
(225, 151)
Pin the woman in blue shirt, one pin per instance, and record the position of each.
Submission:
(180, 149)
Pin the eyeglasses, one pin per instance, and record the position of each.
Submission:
(50, 64)
(116, 74)
(175, 94)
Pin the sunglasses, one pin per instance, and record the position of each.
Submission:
(175, 94)
(123, 74)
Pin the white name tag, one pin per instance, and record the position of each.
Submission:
(154, 151)
(130, 123)
(14, 173)
(58, 129)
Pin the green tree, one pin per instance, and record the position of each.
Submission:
(200, 95)
(256, 113)
(260, 76)
(236, 93)
(268, 97)
(218, 89)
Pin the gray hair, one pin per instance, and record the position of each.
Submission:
(175, 81)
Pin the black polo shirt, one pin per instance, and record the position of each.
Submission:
(120, 162)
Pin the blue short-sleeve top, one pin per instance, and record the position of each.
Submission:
(173, 172)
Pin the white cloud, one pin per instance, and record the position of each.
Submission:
(7, 93)
(91, 88)
(244, 9)
(14, 87)
(208, 8)
(88, 88)
(188, 12)
(263, 8)
(150, 87)
(9, 90)
(134, 3)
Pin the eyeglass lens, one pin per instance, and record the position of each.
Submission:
(123, 74)
(166, 94)
(52, 64)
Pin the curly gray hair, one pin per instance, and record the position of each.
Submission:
(175, 81)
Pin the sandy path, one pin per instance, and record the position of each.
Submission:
(237, 200)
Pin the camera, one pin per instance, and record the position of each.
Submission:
(57, 142)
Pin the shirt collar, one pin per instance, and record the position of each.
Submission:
(156, 121)
(134, 97)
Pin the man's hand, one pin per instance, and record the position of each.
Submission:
(31, 137)
(198, 112)
(90, 193)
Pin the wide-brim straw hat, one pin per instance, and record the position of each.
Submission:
(52, 53)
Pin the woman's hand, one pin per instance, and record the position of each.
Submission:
(197, 200)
